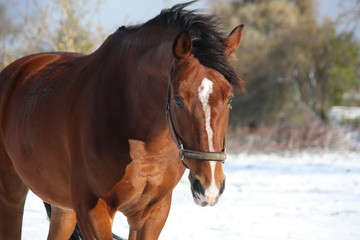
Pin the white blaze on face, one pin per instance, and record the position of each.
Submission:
(204, 91)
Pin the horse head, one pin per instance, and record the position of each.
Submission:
(199, 101)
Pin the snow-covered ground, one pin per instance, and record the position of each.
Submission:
(267, 197)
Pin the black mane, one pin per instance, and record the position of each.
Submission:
(204, 30)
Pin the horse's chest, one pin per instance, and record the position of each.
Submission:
(141, 185)
(151, 167)
(148, 177)
(145, 175)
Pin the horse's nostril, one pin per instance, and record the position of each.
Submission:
(196, 185)
(222, 187)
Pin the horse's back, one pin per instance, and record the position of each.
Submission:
(33, 117)
(28, 68)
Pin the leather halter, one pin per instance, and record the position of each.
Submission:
(187, 153)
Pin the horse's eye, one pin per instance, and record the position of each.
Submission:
(230, 100)
(178, 101)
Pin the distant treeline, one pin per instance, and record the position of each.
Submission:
(296, 65)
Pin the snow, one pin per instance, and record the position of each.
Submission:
(313, 196)
(339, 113)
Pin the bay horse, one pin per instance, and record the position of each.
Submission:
(100, 133)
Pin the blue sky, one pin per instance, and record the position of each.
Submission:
(109, 13)
(114, 13)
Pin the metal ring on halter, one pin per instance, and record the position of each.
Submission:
(181, 153)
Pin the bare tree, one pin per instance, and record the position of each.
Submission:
(52, 26)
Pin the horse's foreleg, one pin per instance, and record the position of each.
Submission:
(12, 199)
(62, 223)
(154, 219)
(95, 222)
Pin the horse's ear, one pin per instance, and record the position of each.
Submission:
(233, 41)
(182, 45)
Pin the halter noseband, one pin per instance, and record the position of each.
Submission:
(187, 153)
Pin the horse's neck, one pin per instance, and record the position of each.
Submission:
(137, 94)
(147, 91)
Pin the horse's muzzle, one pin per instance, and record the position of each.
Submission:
(208, 197)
